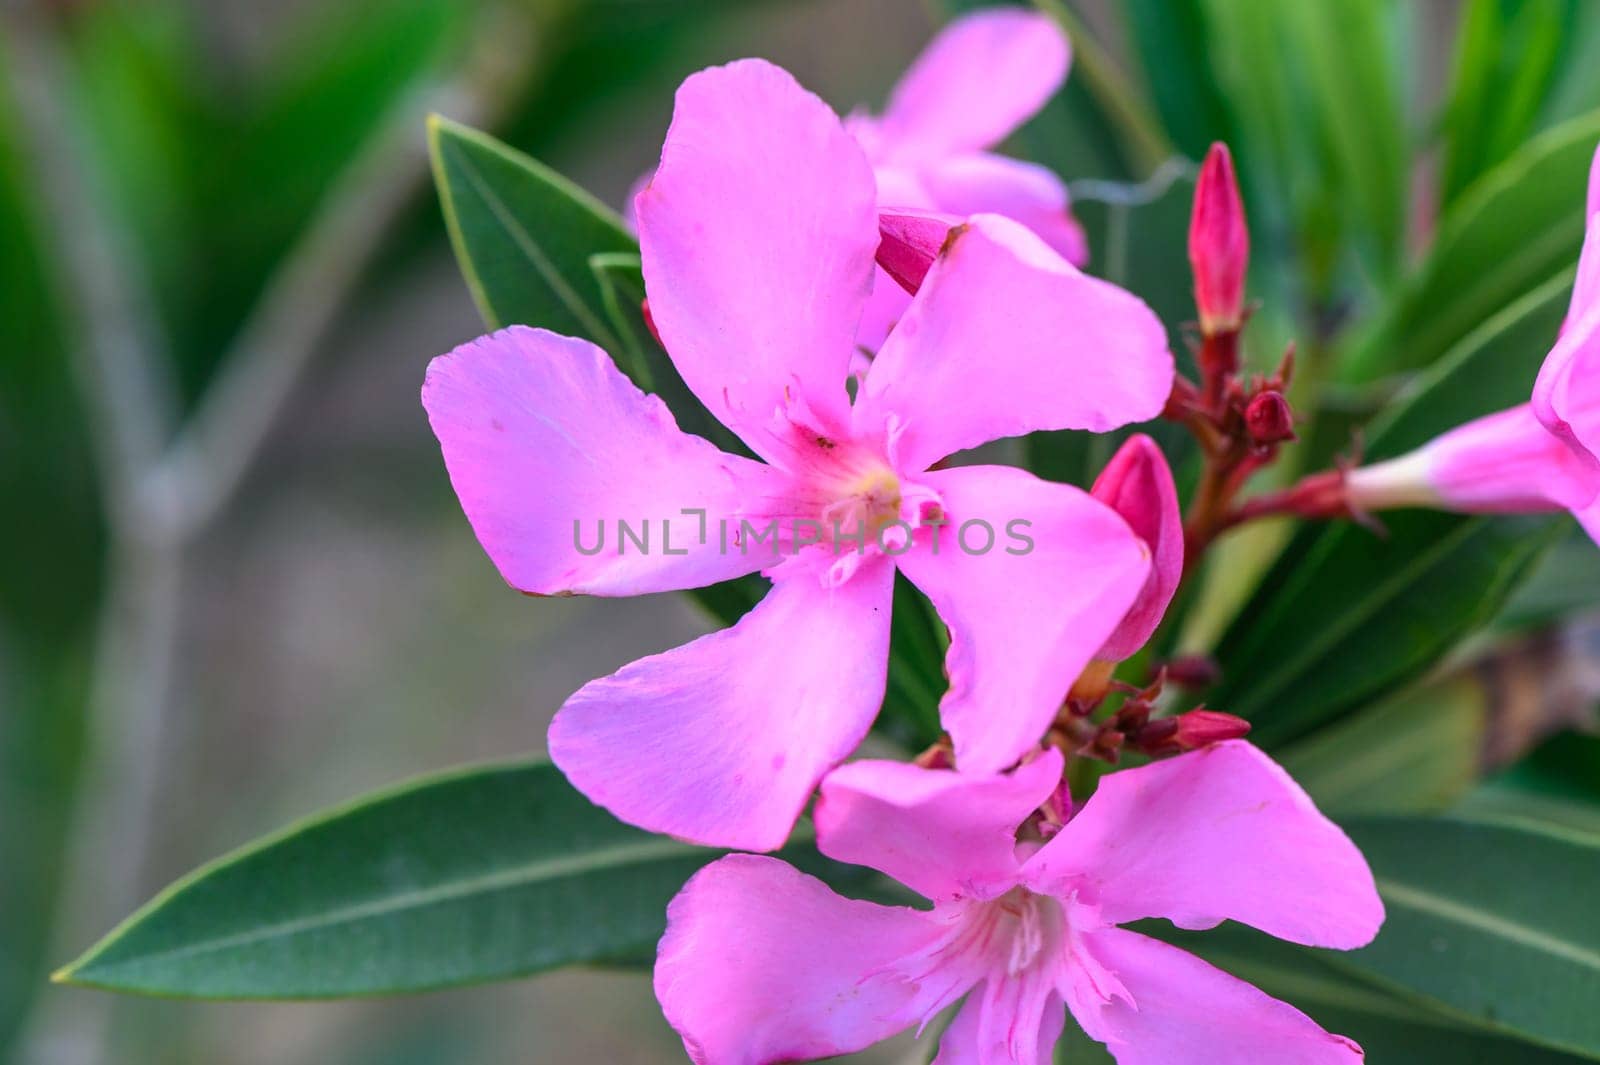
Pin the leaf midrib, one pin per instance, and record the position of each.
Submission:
(1416, 898)
(534, 254)
(548, 869)
(1332, 634)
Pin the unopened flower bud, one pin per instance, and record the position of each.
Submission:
(1137, 484)
(909, 242)
(1219, 244)
(1202, 728)
(1269, 419)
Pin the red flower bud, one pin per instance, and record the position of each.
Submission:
(1219, 244)
(1202, 728)
(909, 243)
(1268, 419)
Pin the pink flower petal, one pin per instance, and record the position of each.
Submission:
(980, 78)
(1005, 337)
(943, 834)
(985, 183)
(969, 1040)
(1566, 396)
(1508, 462)
(1186, 1012)
(545, 439)
(884, 308)
(1219, 834)
(722, 741)
(761, 964)
(1586, 287)
(1137, 484)
(1027, 615)
(757, 235)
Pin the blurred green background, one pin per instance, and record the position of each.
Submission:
(234, 584)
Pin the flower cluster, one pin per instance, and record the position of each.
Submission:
(858, 300)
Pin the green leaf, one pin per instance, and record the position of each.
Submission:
(1359, 616)
(485, 873)
(1313, 97)
(1172, 44)
(1351, 54)
(1514, 229)
(1494, 922)
(1557, 786)
(1416, 751)
(1344, 617)
(1565, 582)
(524, 235)
(1508, 56)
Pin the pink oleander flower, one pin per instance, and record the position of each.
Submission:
(983, 76)
(1541, 455)
(762, 964)
(758, 235)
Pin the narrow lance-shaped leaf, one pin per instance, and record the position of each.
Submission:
(523, 235)
(1494, 922)
(480, 874)
(1508, 234)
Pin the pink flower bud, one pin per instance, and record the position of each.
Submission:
(1137, 484)
(909, 243)
(1219, 244)
(1202, 728)
(1268, 419)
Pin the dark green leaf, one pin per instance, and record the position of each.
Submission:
(1171, 40)
(1508, 56)
(1416, 751)
(524, 235)
(1565, 582)
(480, 874)
(1557, 785)
(1514, 229)
(1359, 616)
(1352, 56)
(1494, 922)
